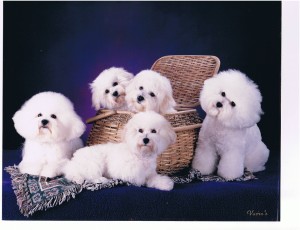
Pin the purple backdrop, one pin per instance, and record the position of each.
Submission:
(63, 46)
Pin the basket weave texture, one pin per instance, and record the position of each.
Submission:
(186, 74)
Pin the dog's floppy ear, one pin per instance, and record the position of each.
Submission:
(169, 133)
(21, 124)
(123, 133)
(95, 95)
(77, 127)
(172, 135)
(168, 103)
(127, 130)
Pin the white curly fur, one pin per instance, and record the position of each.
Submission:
(229, 139)
(145, 136)
(51, 129)
(108, 89)
(155, 91)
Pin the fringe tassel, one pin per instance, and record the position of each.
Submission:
(195, 175)
(110, 184)
(23, 195)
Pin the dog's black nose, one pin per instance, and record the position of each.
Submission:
(44, 122)
(146, 140)
(219, 104)
(115, 94)
(140, 98)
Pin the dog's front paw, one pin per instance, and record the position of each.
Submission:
(167, 184)
(230, 174)
(100, 180)
(161, 183)
(229, 169)
(48, 172)
(76, 179)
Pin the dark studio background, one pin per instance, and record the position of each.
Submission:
(63, 46)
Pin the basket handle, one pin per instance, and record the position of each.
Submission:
(101, 116)
(185, 128)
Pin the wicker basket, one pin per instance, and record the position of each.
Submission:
(187, 74)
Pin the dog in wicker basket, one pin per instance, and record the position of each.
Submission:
(145, 136)
(150, 91)
(230, 139)
(52, 131)
(108, 89)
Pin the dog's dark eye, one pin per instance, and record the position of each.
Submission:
(115, 83)
(232, 104)
(141, 88)
(152, 94)
(223, 94)
(39, 115)
(107, 91)
(53, 116)
(153, 131)
(141, 131)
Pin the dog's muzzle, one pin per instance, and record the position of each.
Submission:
(140, 98)
(44, 122)
(115, 94)
(146, 140)
(219, 105)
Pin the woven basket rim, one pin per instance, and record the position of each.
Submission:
(184, 56)
(97, 117)
(218, 62)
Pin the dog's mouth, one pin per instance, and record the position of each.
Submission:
(139, 106)
(44, 128)
(214, 110)
(120, 99)
(147, 150)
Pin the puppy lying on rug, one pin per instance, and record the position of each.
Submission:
(230, 139)
(146, 135)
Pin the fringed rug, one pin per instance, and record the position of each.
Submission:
(36, 193)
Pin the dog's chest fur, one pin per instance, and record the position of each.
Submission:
(47, 152)
(222, 137)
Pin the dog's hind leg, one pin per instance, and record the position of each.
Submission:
(256, 159)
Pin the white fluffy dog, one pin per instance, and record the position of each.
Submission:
(108, 89)
(229, 138)
(51, 129)
(145, 136)
(150, 90)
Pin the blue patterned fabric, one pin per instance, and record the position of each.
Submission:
(35, 193)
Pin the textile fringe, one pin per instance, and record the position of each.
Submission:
(109, 184)
(195, 175)
(23, 195)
